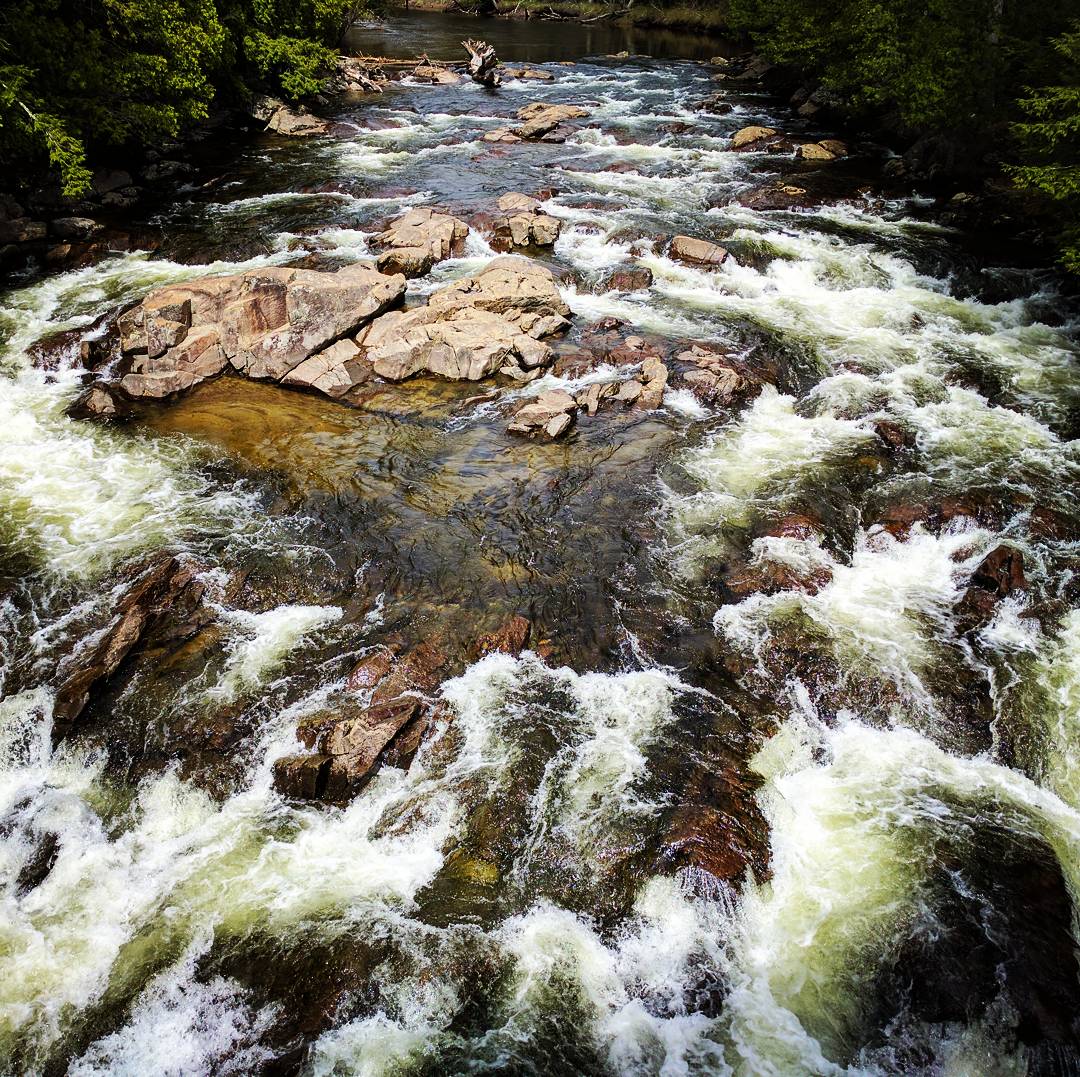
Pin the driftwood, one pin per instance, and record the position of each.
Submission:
(483, 63)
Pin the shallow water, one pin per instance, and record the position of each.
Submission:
(903, 788)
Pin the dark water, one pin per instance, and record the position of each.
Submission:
(537, 41)
(555, 885)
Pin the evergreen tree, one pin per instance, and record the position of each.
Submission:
(1050, 137)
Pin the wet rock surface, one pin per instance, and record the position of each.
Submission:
(732, 609)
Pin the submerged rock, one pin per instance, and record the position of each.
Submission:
(717, 828)
(510, 637)
(415, 242)
(998, 575)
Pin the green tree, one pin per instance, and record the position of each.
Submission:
(80, 76)
(1049, 135)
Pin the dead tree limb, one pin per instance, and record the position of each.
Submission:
(483, 63)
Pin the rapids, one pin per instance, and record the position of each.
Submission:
(901, 785)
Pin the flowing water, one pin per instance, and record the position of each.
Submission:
(904, 788)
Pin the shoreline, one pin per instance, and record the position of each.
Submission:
(681, 17)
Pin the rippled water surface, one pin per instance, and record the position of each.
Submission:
(549, 888)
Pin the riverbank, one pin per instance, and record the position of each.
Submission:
(704, 18)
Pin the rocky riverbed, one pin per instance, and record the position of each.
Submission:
(575, 577)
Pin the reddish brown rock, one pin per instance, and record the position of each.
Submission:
(1001, 572)
(893, 435)
(626, 279)
(718, 828)
(165, 587)
(348, 746)
(510, 637)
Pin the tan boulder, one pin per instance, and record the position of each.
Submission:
(333, 371)
(541, 119)
(283, 120)
(814, 151)
(748, 136)
(415, 242)
(550, 415)
(523, 224)
(834, 146)
(513, 286)
(459, 344)
(264, 322)
(472, 327)
(501, 134)
(697, 252)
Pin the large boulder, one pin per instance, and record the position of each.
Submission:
(473, 327)
(752, 136)
(264, 323)
(416, 241)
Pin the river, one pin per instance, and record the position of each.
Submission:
(544, 891)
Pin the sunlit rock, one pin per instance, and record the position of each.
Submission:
(522, 223)
(751, 136)
(415, 242)
(264, 323)
(697, 252)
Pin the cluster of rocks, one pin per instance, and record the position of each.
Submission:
(494, 321)
(522, 223)
(331, 332)
(716, 378)
(282, 119)
(269, 323)
(389, 705)
(540, 123)
(551, 414)
(771, 140)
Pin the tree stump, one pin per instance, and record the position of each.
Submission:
(483, 63)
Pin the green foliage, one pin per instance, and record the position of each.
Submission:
(77, 76)
(940, 63)
(1049, 135)
(959, 69)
